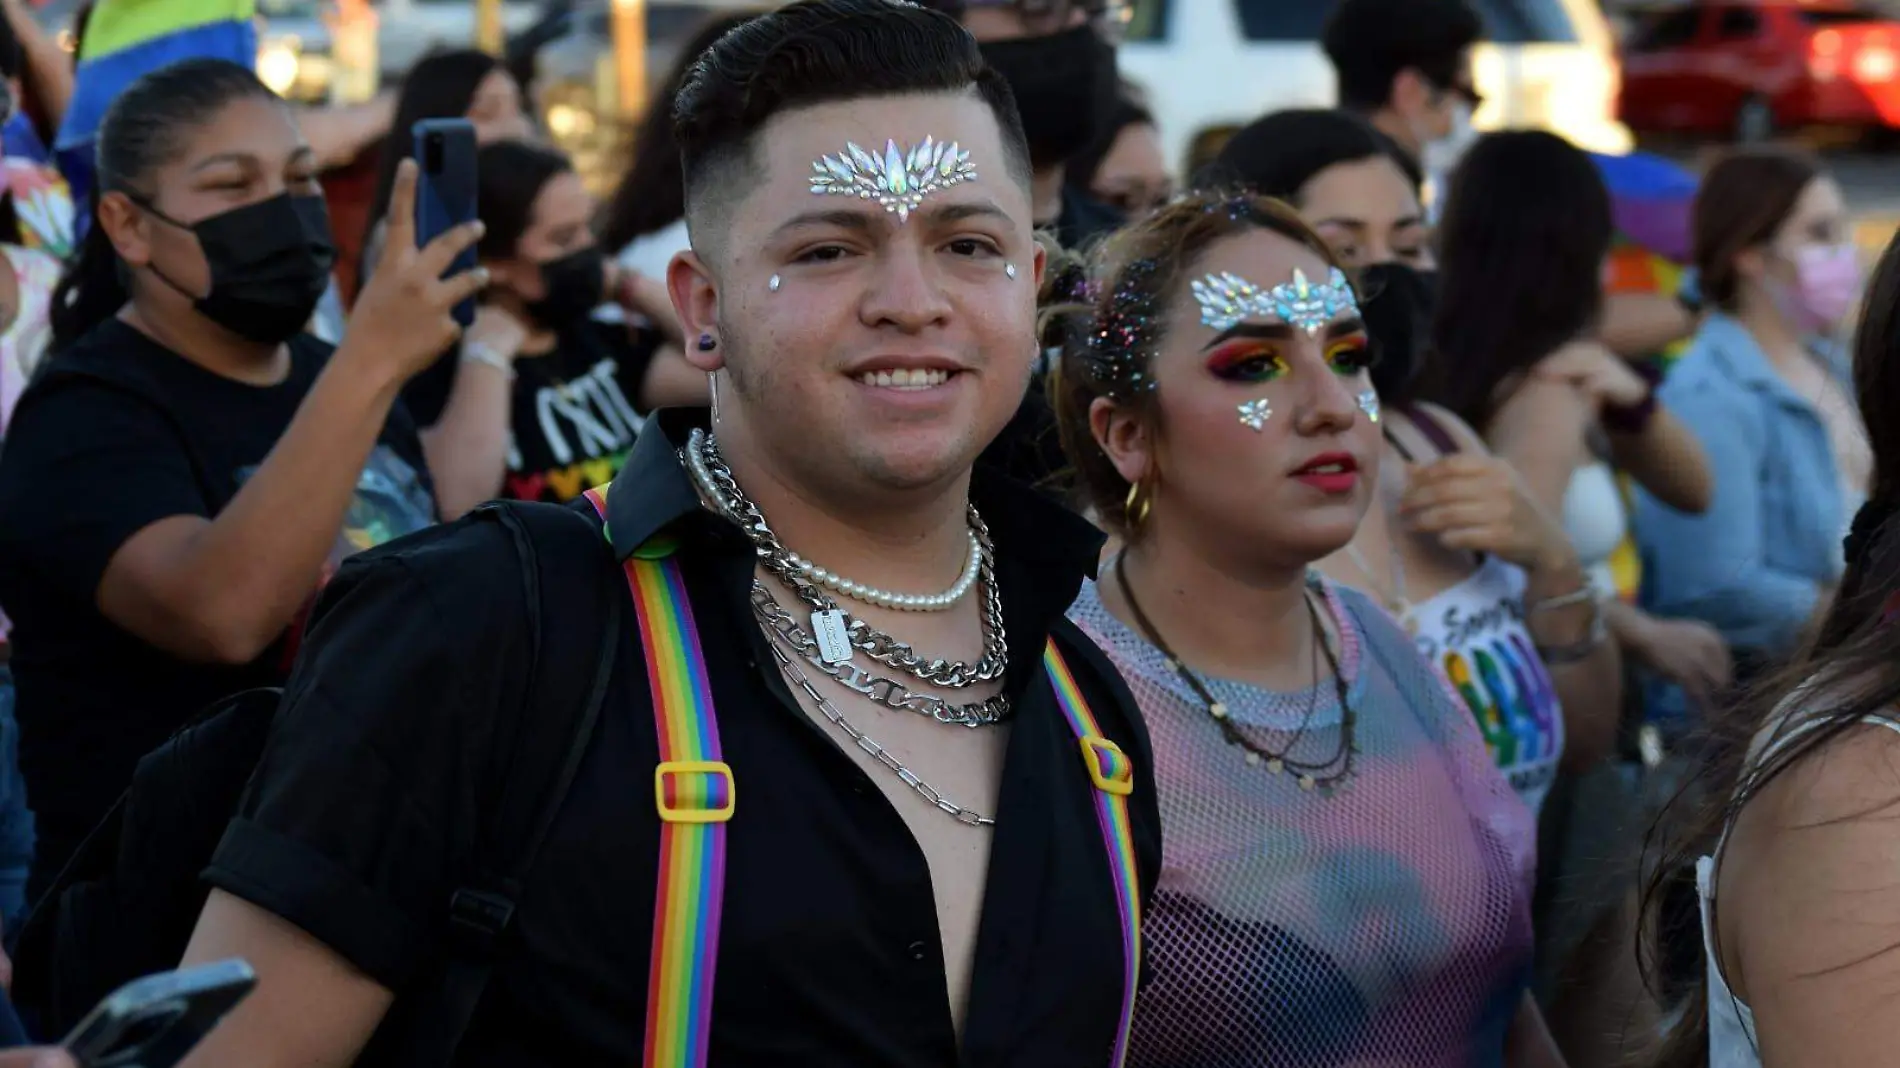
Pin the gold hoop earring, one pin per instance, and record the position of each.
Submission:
(1136, 505)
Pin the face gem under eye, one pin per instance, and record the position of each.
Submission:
(1369, 404)
(1255, 413)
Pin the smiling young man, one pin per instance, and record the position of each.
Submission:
(962, 890)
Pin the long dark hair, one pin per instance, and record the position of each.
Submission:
(143, 129)
(1521, 243)
(1854, 660)
(509, 176)
(440, 86)
(652, 194)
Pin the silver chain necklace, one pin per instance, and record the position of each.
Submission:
(967, 817)
(837, 631)
(886, 692)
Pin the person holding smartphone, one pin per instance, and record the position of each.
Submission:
(543, 398)
(190, 465)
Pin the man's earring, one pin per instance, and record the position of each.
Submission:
(707, 342)
(712, 387)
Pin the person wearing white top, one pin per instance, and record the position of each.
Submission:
(1803, 952)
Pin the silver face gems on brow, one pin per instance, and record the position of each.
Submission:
(1226, 299)
(1254, 414)
(773, 283)
(897, 180)
(1369, 404)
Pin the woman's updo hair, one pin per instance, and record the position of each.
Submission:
(1114, 329)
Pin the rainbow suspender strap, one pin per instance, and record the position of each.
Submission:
(1114, 777)
(693, 790)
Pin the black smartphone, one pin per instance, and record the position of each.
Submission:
(153, 1022)
(445, 190)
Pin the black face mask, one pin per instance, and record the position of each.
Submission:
(1065, 88)
(270, 263)
(574, 285)
(1398, 314)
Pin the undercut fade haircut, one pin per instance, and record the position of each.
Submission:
(817, 52)
(1371, 41)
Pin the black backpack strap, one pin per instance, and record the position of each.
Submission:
(575, 614)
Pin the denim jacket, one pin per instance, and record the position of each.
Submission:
(1753, 564)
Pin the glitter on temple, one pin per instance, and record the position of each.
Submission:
(1127, 326)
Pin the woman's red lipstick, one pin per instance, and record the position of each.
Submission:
(1332, 472)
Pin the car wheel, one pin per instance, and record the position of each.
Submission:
(1754, 121)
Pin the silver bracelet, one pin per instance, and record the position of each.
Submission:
(1585, 592)
(476, 352)
(1591, 642)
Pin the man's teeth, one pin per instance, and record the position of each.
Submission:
(906, 378)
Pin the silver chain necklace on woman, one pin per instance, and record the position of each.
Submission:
(835, 631)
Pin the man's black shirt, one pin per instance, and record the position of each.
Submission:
(829, 952)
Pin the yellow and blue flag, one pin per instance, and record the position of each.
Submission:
(125, 39)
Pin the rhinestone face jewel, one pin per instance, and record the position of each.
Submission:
(1369, 404)
(1009, 271)
(1254, 414)
(1226, 299)
(774, 282)
(898, 180)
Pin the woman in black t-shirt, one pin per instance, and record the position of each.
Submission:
(543, 399)
(189, 465)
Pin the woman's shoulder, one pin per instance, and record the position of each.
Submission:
(1433, 421)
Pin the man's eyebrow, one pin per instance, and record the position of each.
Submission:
(963, 210)
(842, 219)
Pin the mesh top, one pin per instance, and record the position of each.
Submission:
(1385, 926)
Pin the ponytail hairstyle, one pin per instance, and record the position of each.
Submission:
(1853, 666)
(144, 129)
(1113, 331)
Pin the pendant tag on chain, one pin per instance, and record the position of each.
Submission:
(834, 642)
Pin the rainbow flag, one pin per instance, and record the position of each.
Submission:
(127, 38)
(1653, 202)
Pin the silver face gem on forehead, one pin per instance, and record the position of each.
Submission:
(1226, 299)
(898, 180)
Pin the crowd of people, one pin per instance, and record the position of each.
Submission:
(1250, 616)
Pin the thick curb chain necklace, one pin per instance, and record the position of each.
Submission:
(783, 627)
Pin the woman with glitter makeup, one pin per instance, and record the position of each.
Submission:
(1345, 874)
(1453, 545)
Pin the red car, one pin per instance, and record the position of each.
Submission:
(1748, 68)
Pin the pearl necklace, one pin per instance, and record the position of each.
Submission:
(902, 602)
(858, 591)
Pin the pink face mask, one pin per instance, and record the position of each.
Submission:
(1827, 282)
